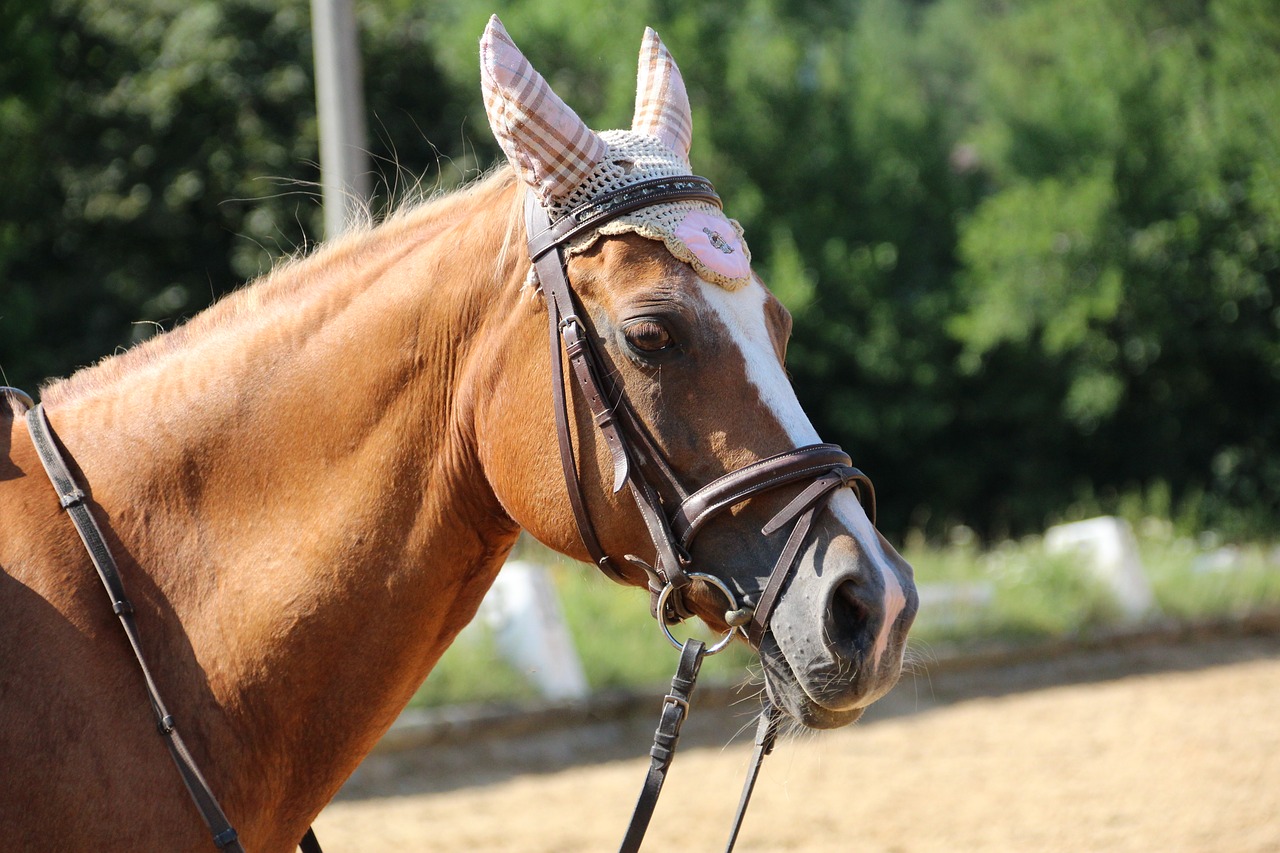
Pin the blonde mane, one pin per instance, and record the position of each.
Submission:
(295, 280)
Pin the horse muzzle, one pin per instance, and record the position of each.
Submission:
(838, 634)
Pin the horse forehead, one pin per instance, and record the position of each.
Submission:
(742, 313)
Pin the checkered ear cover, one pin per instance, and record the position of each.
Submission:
(545, 140)
(567, 164)
(549, 145)
(662, 104)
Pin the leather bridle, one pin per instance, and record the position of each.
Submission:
(823, 468)
(635, 456)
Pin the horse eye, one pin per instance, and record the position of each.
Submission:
(648, 336)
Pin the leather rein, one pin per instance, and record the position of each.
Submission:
(635, 458)
(72, 499)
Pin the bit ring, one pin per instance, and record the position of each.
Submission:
(720, 644)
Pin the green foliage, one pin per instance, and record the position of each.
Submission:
(473, 670)
(1033, 595)
(1128, 239)
(1032, 249)
(163, 152)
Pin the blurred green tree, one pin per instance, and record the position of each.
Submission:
(1128, 241)
(162, 152)
(1031, 248)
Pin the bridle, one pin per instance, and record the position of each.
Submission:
(633, 453)
(635, 458)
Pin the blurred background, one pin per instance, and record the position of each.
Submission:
(1032, 249)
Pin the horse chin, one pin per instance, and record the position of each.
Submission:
(789, 694)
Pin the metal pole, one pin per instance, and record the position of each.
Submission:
(344, 171)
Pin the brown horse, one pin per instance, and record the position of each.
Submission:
(310, 486)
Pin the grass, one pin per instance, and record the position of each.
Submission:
(1032, 595)
(1014, 592)
(1197, 578)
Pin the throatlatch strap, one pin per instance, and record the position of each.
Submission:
(569, 330)
(559, 304)
(675, 707)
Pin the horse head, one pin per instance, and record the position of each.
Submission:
(688, 347)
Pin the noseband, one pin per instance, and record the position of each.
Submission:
(823, 468)
(635, 456)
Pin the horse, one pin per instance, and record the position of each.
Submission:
(309, 486)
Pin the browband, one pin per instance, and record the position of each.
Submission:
(596, 212)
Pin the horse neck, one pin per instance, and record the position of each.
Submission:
(295, 482)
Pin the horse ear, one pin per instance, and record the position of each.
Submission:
(662, 104)
(551, 148)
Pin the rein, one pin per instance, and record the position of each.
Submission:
(72, 499)
(825, 468)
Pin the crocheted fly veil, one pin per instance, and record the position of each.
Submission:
(568, 164)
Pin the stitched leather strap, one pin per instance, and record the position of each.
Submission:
(778, 470)
(559, 302)
(675, 708)
(826, 466)
(570, 332)
(766, 737)
(803, 509)
(72, 498)
(595, 213)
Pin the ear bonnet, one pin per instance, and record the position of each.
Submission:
(567, 164)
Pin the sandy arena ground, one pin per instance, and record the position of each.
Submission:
(1161, 748)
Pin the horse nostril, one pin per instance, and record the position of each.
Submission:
(850, 620)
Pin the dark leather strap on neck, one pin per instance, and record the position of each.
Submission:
(72, 499)
(309, 843)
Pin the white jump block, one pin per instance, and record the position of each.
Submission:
(1110, 551)
(522, 610)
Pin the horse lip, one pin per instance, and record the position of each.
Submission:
(787, 692)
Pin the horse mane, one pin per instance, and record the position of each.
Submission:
(296, 279)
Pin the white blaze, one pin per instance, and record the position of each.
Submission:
(742, 312)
